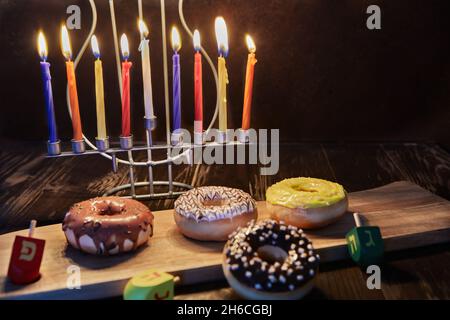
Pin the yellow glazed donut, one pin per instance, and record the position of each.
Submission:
(307, 203)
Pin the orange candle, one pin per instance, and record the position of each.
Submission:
(72, 83)
(248, 93)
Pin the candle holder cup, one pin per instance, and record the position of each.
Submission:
(126, 143)
(150, 123)
(54, 148)
(102, 144)
(199, 138)
(223, 137)
(243, 135)
(176, 138)
(78, 146)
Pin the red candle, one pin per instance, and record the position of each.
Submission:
(198, 82)
(126, 67)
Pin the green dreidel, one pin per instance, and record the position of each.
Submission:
(150, 285)
(365, 243)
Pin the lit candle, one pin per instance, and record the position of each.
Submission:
(222, 42)
(198, 85)
(72, 82)
(99, 91)
(48, 92)
(176, 45)
(146, 71)
(248, 93)
(126, 66)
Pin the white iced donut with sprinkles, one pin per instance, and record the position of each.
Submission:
(213, 213)
(270, 260)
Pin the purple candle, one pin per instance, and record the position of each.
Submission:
(48, 93)
(176, 44)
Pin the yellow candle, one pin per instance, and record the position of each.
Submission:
(223, 81)
(99, 91)
(222, 42)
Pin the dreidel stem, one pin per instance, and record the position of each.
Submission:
(32, 228)
(357, 218)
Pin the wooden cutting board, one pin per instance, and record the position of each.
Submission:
(408, 216)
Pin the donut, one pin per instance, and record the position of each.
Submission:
(212, 213)
(307, 203)
(108, 225)
(269, 260)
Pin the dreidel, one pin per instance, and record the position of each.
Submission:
(151, 284)
(365, 243)
(26, 258)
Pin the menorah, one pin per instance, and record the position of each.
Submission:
(125, 154)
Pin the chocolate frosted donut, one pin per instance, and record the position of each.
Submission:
(108, 225)
(212, 213)
(270, 260)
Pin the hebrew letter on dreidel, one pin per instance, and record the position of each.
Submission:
(28, 251)
(352, 242)
(370, 243)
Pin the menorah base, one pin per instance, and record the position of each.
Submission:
(173, 190)
(148, 196)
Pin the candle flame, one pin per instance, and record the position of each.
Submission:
(42, 46)
(65, 43)
(222, 36)
(176, 39)
(95, 47)
(143, 29)
(197, 44)
(250, 44)
(124, 46)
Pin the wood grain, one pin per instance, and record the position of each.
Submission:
(358, 166)
(33, 187)
(408, 216)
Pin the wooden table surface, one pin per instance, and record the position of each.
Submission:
(33, 187)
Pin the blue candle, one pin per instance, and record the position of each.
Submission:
(48, 93)
(176, 92)
(176, 44)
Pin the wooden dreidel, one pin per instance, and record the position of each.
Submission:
(26, 258)
(150, 285)
(365, 243)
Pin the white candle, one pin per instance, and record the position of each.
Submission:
(146, 71)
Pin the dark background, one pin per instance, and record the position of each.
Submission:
(321, 76)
